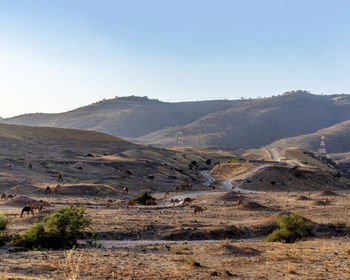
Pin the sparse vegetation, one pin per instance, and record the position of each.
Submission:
(190, 261)
(57, 230)
(143, 197)
(4, 221)
(291, 228)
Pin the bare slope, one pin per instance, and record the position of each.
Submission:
(127, 117)
(337, 139)
(242, 123)
(31, 158)
(261, 121)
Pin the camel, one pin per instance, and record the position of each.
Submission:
(198, 209)
(57, 189)
(60, 178)
(27, 209)
(3, 197)
(79, 168)
(125, 190)
(10, 196)
(166, 194)
(115, 172)
(150, 202)
(188, 200)
(48, 190)
(35, 206)
(109, 202)
(45, 204)
(173, 201)
(185, 186)
(131, 203)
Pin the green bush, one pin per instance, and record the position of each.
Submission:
(235, 160)
(143, 197)
(57, 230)
(291, 228)
(4, 221)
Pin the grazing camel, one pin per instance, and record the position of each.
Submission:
(3, 197)
(115, 172)
(150, 202)
(185, 186)
(10, 196)
(125, 190)
(27, 209)
(35, 206)
(188, 200)
(166, 194)
(109, 202)
(60, 178)
(131, 203)
(57, 189)
(198, 209)
(173, 201)
(48, 190)
(79, 168)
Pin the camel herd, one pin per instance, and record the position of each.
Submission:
(30, 206)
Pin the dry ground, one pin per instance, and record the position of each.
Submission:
(325, 257)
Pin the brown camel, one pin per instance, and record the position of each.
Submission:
(173, 201)
(27, 209)
(150, 202)
(166, 194)
(79, 168)
(48, 190)
(131, 203)
(10, 196)
(198, 209)
(57, 189)
(60, 178)
(109, 202)
(188, 200)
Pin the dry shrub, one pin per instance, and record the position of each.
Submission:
(70, 267)
(291, 268)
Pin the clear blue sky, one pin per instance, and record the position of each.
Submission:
(59, 55)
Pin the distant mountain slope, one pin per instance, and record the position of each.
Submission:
(258, 122)
(239, 123)
(337, 139)
(127, 117)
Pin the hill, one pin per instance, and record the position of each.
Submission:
(336, 136)
(249, 123)
(127, 117)
(31, 158)
(258, 122)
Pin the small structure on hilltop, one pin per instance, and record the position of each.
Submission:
(322, 150)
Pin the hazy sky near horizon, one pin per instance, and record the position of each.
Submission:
(61, 54)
